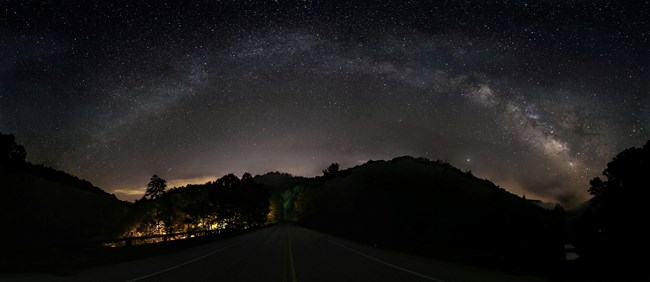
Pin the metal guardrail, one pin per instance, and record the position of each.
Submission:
(129, 241)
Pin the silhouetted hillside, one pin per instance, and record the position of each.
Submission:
(44, 209)
(428, 207)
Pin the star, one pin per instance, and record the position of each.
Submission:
(255, 87)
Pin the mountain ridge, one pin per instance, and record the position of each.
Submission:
(423, 206)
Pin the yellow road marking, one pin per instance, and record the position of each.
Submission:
(292, 267)
(289, 271)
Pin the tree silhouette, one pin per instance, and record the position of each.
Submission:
(627, 173)
(247, 177)
(618, 209)
(10, 152)
(228, 181)
(155, 188)
(331, 170)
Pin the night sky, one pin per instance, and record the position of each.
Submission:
(536, 96)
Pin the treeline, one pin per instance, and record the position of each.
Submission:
(227, 203)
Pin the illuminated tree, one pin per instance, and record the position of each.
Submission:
(155, 188)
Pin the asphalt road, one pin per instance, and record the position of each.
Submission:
(282, 253)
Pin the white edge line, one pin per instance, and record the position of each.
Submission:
(384, 262)
(192, 260)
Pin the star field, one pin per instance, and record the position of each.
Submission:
(535, 96)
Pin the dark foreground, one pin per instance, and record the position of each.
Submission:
(282, 253)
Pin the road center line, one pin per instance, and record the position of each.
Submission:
(193, 260)
(289, 271)
(292, 264)
(382, 261)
